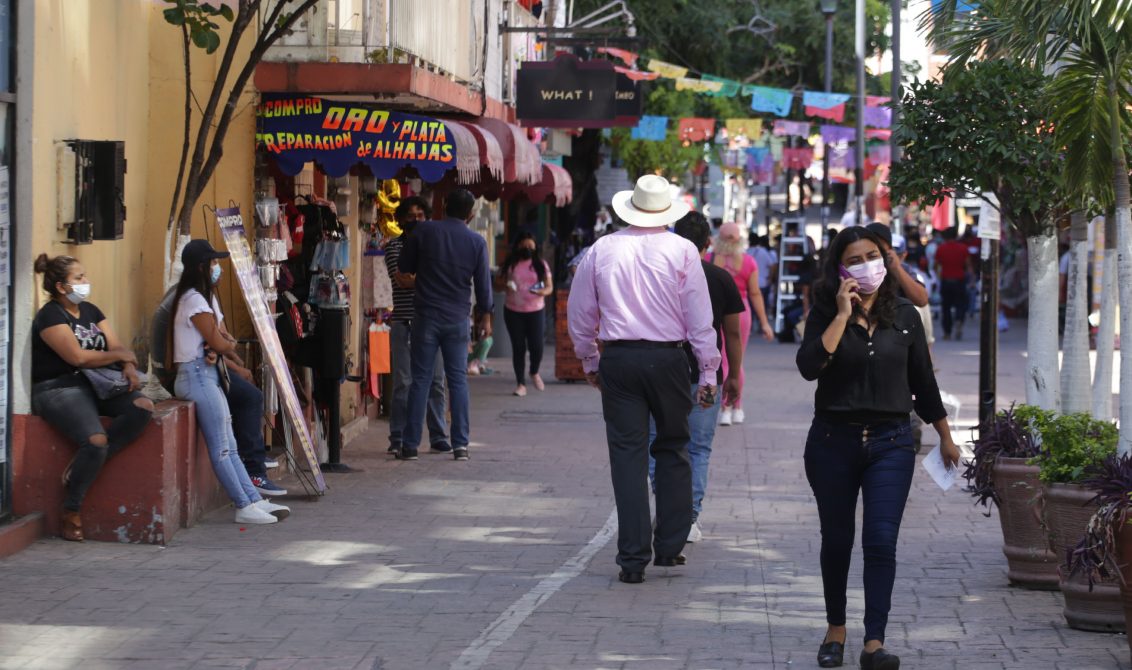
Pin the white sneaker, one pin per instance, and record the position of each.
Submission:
(725, 416)
(254, 515)
(695, 535)
(737, 415)
(278, 511)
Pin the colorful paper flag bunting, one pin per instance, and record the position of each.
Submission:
(697, 129)
(835, 113)
(773, 100)
(666, 69)
(698, 85)
(797, 158)
(730, 87)
(833, 134)
(749, 128)
(823, 100)
(793, 128)
(878, 117)
(636, 75)
(651, 128)
(627, 57)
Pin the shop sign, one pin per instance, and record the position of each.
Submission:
(567, 92)
(231, 224)
(630, 101)
(338, 135)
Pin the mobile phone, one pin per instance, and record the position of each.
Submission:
(845, 275)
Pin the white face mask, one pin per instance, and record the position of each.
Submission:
(79, 293)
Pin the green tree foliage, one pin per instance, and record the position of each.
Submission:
(197, 18)
(714, 38)
(985, 128)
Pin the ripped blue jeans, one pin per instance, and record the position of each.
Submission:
(200, 382)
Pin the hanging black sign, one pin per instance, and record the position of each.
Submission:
(567, 93)
(630, 100)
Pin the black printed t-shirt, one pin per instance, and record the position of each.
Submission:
(725, 300)
(45, 363)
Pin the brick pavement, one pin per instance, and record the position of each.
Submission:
(422, 565)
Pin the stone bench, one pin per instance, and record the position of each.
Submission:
(159, 484)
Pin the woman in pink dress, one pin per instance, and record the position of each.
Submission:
(730, 253)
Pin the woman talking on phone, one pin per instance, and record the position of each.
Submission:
(528, 283)
(866, 349)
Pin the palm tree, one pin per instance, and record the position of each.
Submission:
(1089, 43)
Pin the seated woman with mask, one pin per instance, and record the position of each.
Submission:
(70, 335)
(198, 347)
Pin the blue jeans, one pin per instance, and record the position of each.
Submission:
(878, 460)
(245, 402)
(399, 344)
(199, 382)
(451, 340)
(701, 426)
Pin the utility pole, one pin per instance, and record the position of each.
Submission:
(859, 172)
(828, 9)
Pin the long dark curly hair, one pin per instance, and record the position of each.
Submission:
(883, 311)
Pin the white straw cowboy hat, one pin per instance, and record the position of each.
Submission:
(650, 204)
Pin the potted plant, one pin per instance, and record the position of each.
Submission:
(1072, 447)
(1000, 474)
(1105, 551)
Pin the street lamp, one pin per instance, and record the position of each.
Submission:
(828, 9)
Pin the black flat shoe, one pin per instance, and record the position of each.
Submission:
(831, 654)
(879, 660)
(669, 561)
(631, 577)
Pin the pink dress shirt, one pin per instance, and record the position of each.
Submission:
(642, 284)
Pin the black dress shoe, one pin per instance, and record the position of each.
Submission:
(879, 660)
(631, 577)
(669, 561)
(831, 654)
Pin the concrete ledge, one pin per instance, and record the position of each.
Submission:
(19, 534)
(157, 485)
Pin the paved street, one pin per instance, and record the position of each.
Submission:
(506, 562)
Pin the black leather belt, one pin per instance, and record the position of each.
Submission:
(643, 344)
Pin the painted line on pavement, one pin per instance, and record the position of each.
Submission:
(509, 621)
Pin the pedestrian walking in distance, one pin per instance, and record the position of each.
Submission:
(642, 292)
(866, 349)
(526, 277)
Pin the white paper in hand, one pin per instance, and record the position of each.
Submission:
(942, 475)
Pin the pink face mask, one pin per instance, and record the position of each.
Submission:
(869, 275)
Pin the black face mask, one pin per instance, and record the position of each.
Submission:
(525, 254)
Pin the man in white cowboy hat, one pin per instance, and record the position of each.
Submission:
(643, 293)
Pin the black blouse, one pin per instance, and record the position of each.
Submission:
(875, 378)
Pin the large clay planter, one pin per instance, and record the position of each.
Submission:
(1030, 562)
(1124, 558)
(1067, 512)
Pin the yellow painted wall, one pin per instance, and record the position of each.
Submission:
(113, 70)
(233, 179)
(91, 65)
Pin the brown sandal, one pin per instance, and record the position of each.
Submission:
(72, 526)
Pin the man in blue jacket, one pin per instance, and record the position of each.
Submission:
(447, 258)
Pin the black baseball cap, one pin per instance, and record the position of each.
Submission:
(882, 231)
(200, 251)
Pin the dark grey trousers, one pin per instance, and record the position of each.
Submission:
(638, 383)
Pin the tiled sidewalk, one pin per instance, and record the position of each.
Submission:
(439, 564)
